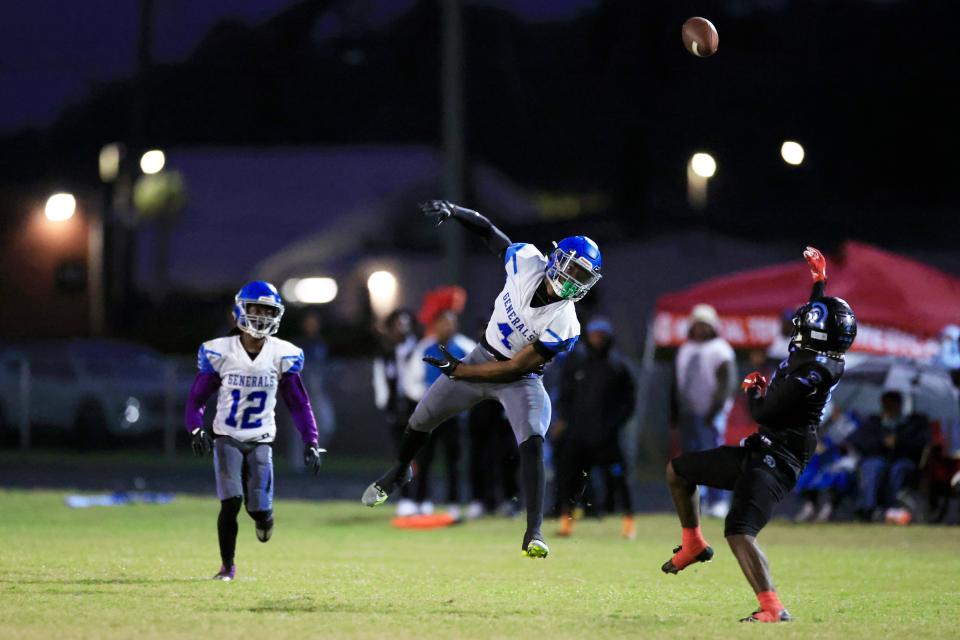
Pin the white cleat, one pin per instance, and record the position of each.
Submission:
(374, 496)
(536, 548)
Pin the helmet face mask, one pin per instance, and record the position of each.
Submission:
(258, 309)
(574, 267)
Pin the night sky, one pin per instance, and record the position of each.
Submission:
(52, 52)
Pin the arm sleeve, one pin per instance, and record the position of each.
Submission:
(819, 289)
(295, 396)
(495, 239)
(204, 386)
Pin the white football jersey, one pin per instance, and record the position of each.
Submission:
(515, 323)
(248, 388)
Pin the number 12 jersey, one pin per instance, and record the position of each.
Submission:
(248, 386)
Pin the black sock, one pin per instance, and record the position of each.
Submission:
(410, 445)
(531, 467)
(227, 529)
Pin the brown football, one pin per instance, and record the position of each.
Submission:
(700, 37)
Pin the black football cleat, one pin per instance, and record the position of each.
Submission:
(768, 616)
(264, 530)
(674, 566)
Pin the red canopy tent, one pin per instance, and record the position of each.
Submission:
(901, 304)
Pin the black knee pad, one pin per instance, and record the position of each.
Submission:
(231, 506)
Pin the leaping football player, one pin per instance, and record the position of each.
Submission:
(765, 467)
(247, 369)
(533, 320)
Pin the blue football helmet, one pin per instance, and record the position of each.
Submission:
(574, 267)
(261, 293)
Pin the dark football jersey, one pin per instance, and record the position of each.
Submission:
(789, 414)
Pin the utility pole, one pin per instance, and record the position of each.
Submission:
(454, 165)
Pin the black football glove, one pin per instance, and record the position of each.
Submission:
(200, 442)
(439, 210)
(312, 457)
(447, 366)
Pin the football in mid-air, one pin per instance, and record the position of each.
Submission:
(700, 37)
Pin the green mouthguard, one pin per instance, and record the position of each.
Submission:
(569, 290)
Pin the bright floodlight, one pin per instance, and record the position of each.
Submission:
(152, 161)
(315, 290)
(382, 286)
(703, 165)
(792, 152)
(60, 206)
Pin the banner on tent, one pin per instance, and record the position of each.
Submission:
(758, 331)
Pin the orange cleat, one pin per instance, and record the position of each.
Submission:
(566, 525)
(681, 560)
(768, 616)
(629, 530)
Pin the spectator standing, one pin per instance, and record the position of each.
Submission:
(390, 367)
(597, 398)
(440, 315)
(702, 397)
(890, 445)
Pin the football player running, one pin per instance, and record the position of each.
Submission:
(765, 467)
(533, 320)
(247, 369)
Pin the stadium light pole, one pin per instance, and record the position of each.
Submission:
(451, 70)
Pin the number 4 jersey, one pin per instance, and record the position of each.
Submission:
(247, 395)
(515, 322)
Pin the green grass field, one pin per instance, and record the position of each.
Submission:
(339, 570)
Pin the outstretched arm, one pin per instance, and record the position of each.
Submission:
(495, 239)
(818, 270)
(528, 360)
